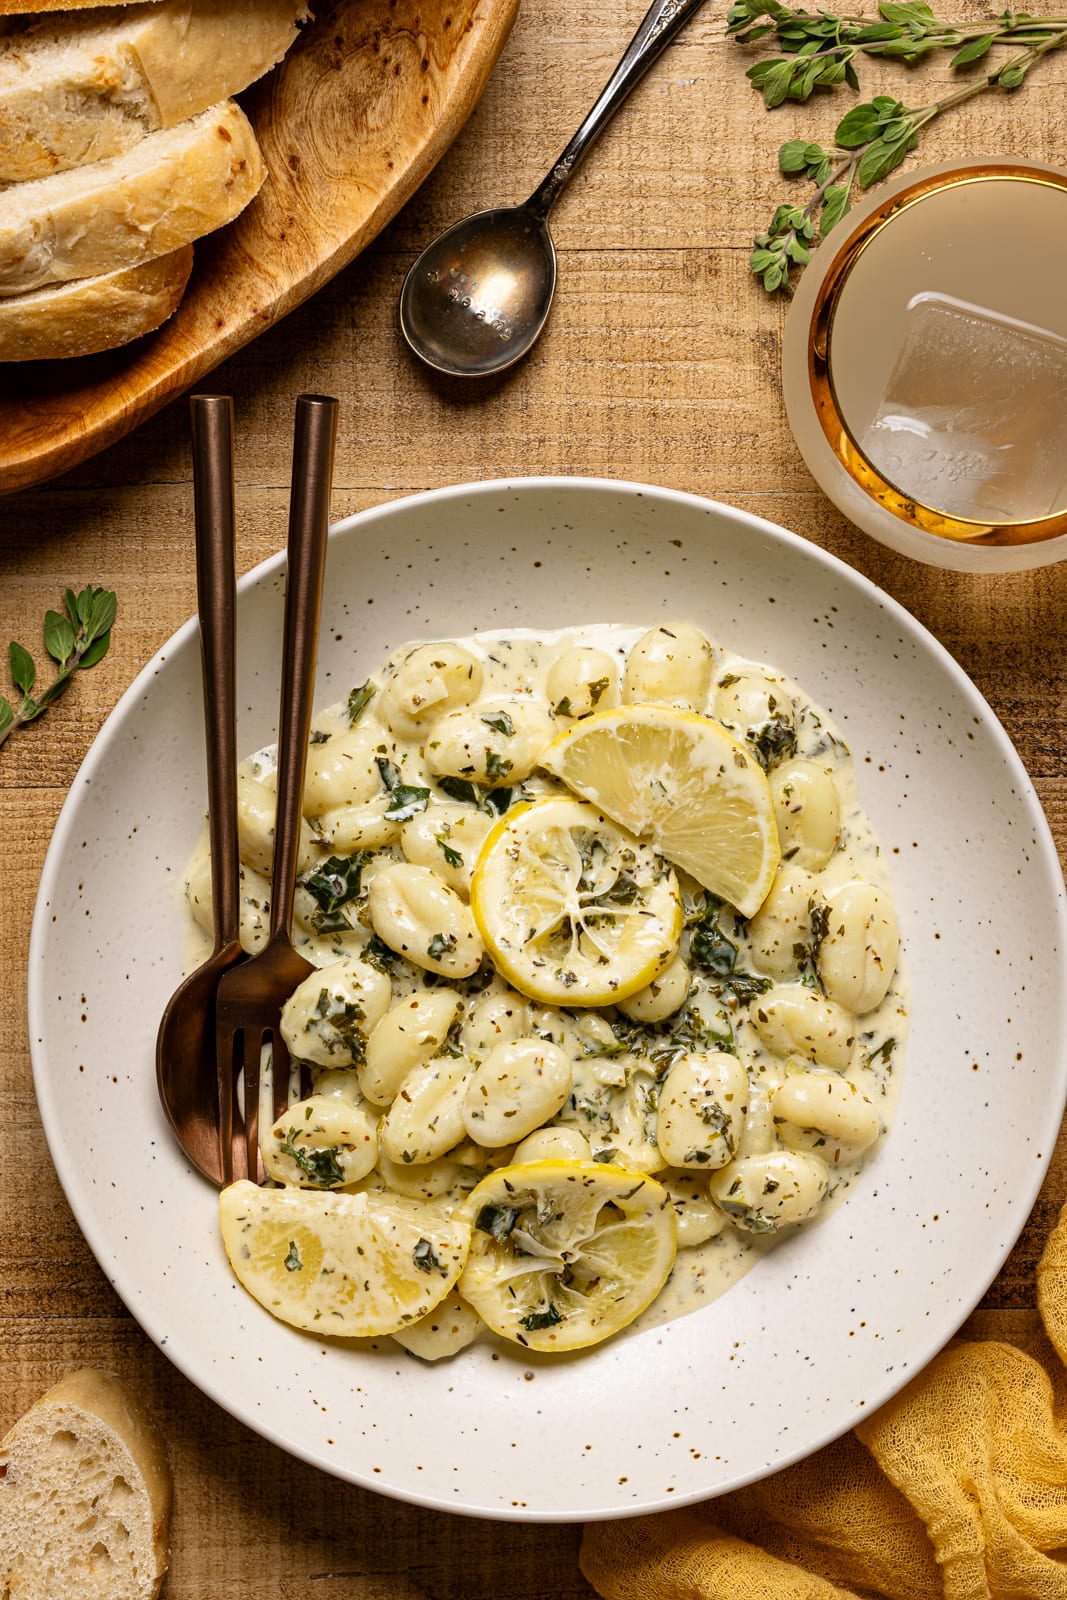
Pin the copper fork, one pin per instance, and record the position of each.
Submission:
(250, 996)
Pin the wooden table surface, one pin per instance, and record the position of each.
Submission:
(660, 363)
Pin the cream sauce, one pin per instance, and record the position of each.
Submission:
(617, 1071)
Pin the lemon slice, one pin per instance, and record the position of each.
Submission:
(684, 783)
(565, 1253)
(573, 909)
(351, 1265)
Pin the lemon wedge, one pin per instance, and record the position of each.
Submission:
(682, 782)
(349, 1265)
(565, 1253)
(573, 909)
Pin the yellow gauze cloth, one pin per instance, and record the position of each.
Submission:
(957, 1488)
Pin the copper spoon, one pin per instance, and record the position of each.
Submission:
(479, 295)
(185, 1045)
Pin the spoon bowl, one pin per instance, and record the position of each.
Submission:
(186, 1075)
(479, 295)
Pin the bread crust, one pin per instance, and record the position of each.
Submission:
(92, 314)
(35, 1547)
(81, 89)
(174, 187)
(33, 8)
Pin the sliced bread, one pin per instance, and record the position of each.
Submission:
(171, 188)
(92, 314)
(80, 89)
(85, 1495)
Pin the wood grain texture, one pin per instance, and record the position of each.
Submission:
(350, 123)
(660, 363)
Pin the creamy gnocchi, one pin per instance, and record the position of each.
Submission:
(752, 1069)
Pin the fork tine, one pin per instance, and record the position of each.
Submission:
(251, 1055)
(280, 1072)
(227, 1089)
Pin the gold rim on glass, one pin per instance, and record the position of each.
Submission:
(827, 406)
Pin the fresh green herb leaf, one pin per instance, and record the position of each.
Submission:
(376, 953)
(424, 1258)
(536, 1320)
(321, 1167)
(333, 885)
(496, 766)
(358, 701)
(819, 50)
(453, 857)
(59, 637)
(75, 641)
(494, 801)
(497, 1221)
(440, 946)
(775, 741)
(23, 671)
(406, 801)
(293, 1262)
(500, 722)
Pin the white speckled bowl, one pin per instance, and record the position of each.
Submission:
(828, 1325)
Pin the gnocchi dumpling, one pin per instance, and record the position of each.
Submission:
(321, 1143)
(328, 1018)
(409, 1034)
(664, 996)
(823, 1112)
(756, 706)
(428, 681)
(444, 1331)
(426, 1118)
(341, 770)
(582, 680)
(859, 949)
(781, 932)
(703, 1103)
(697, 1217)
(557, 1143)
(671, 664)
(796, 1020)
(446, 837)
(493, 743)
(807, 809)
(257, 805)
(420, 917)
(253, 904)
(361, 825)
(518, 1086)
(760, 1194)
(496, 1017)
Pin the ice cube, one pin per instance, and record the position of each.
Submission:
(973, 421)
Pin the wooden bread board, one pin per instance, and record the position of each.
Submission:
(360, 110)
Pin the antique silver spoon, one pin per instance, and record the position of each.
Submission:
(479, 295)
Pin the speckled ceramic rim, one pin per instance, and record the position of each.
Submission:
(831, 1323)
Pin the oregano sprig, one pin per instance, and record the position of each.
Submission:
(873, 138)
(75, 638)
(820, 48)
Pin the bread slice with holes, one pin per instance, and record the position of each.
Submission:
(85, 1495)
(76, 89)
(93, 314)
(169, 190)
